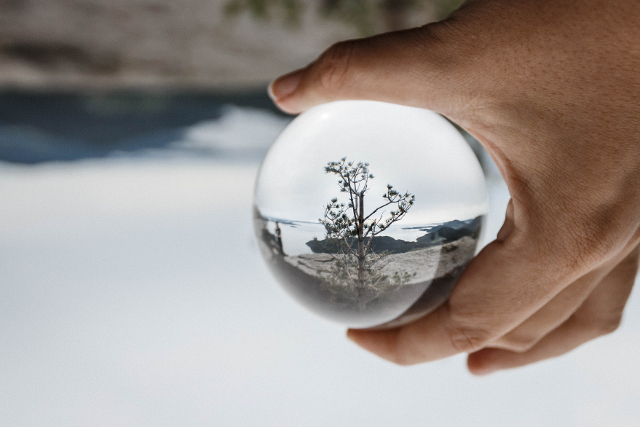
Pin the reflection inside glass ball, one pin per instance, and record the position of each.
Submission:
(367, 213)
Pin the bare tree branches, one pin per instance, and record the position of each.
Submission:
(347, 222)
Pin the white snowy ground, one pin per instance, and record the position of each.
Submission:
(132, 294)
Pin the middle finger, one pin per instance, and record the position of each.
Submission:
(556, 311)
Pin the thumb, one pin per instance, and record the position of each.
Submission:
(413, 67)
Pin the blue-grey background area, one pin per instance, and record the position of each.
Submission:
(41, 127)
(132, 292)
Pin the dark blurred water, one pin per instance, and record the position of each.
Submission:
(41, 127)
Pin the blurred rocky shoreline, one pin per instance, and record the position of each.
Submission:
(101, 45)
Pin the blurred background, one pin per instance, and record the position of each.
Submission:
(131, 289)
(200, 44)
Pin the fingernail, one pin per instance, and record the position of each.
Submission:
(284, 86)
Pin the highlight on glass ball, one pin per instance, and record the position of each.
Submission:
(367, 213)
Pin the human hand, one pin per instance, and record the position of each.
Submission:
(551, 89)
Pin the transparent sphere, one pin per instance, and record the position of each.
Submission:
(367, 213)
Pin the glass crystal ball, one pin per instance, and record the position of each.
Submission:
(367, 213)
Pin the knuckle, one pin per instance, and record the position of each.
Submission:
(518, 342)
(595, 232)
(334, 64)
(605, 326)
(597, 326)
(592, 246)
(576, 245)
(468, 339)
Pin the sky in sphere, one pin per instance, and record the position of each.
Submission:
(414, 150)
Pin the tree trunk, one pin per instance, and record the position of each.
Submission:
(361, 254)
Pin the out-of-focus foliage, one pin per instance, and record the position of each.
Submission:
(263, 9)
(360, 14)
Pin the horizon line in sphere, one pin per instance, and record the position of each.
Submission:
(425, 227)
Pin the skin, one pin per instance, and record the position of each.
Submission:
(551, 88)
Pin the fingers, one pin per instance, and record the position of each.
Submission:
(600, 314)
(412, 67)
(554, 313)
(504, 285)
